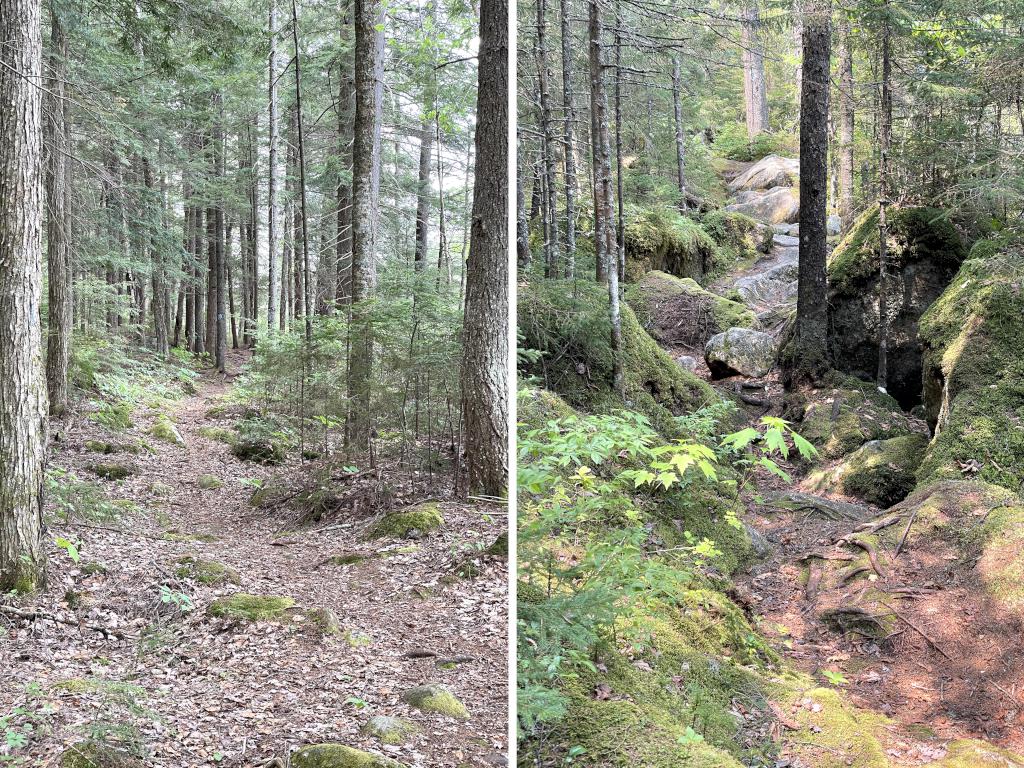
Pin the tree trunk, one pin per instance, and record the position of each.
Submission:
(753, 73)
(22, 383)
(810, 360)
(570, 144)
(551, 234)
(58, 234)
(677, 103)
(485, 388)
(272, 172)
(220, 266)
(306, 274)
(426, 151)
(346, 111)
(523, 256)
(846, 115)
(604, 224)
(620, 230)
(885, 146)
(369, 84)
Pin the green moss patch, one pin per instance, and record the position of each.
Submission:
(89, 754)
(841, 418)
(678, 311)
(434, 697)
(916, 234)
(346, 558)
(418, 520)
(881, 472)
(221, 434)
(339, 756)
(567, 323)
(659, 237)
(208, 572)
(187, 537)
(111, 471)
(210, 482)
(391, 730)
(250, 607)
(163, 429)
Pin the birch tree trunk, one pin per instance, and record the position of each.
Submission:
(22, 386)
(485, 390)
(677, 103)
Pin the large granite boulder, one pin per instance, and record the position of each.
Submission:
(770, 171)
(740, 351)
(924, 253)
(777, 205)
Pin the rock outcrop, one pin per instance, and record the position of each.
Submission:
(740, 351)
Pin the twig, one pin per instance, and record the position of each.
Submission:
(906, 532)
(33, 615)
(919, 631)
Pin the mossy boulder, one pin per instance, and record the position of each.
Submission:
(499, 547)
(391, 730)
(324, 621)
(259, 450)
(973, 339)
(339, 756)
(208, 572)
(434, 697)
(566, 323)
(250, 607)
(111, 470)
(736, 234)
(659, 237)
(881, 472)
(419, 520)
(100, 446)
(677, 311)
(840, 418)
(924, 253)
(90, 754)
(163, 429)
(740, 351)
(210, 482)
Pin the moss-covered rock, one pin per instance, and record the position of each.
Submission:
(567, 323)
(210, 482)
(391, 730)
(158, 488)
(100, 446)
(250, 607)
(111, 470)
(973, 340)
(259, 450)
(208, 572)
(841, 418)
(175, 535)
(346, 558)
(659, 237)
(880, 472)
(734, 233)
(678, 311)
(419, 520)
(324, 621)
(163, 429)
(339, 756)
(90, 754)
(499, 547)
(924, 252)
(434, 697)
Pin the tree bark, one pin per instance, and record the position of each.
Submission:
(523, 256)
(485, 388)
(753, 73)
(846, 121)
(677, 103)
(569, 109)
(306, 279)
(22, 384)
(369, 85)
(58, 233)
(810, 361)
(272, 171)
(346, 111)
(426, 152)
(604, 223)
(885, 147)
(551, 232)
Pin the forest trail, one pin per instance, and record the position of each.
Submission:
(948, 664)
(137, 659)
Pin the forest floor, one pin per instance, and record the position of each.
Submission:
(122, 648)
(952, 668)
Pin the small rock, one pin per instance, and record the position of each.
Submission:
(391, 730)
(687, 362)
(339, 756)
(434, 697)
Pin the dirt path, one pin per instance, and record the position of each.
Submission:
(951, 668)
(191, 689)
